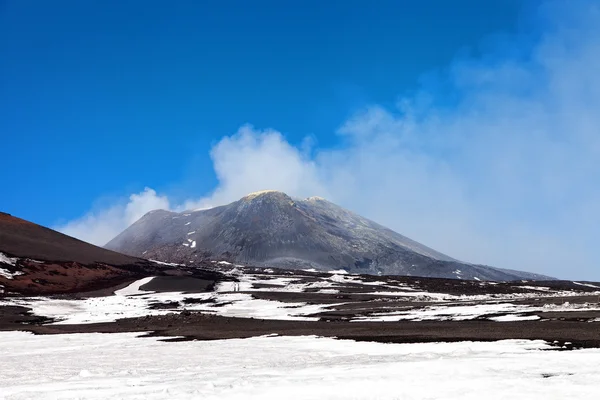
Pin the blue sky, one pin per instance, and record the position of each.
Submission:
(106, 97)
(467, 125)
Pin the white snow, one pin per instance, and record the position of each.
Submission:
(587, 285)
(193, 245)
(166, 263)
(121, 366)
(340, 278)
(132, 302)
(187, 223)
(8, 260)
(542, 288)
(329, 291)
(12, 261)
(245, 306)
(374, 283)
(134, 288)
(443, 313)
(338, 271)
(8, 274)
(191, 233)
(462, 312)
(424, 296)
(515, 317)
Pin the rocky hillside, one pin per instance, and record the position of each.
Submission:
(269, 228)
(37, 260)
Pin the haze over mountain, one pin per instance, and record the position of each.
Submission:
(269, 228)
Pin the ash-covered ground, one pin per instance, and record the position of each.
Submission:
(221, 300)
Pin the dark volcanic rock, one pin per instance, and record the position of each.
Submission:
(272, 229)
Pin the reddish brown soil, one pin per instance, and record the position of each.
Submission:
(52, 263)
(56, 278)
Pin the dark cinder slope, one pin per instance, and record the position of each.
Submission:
(37, 260)
(270, 228)
(22, 238)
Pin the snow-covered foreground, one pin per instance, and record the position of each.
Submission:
(121, 366)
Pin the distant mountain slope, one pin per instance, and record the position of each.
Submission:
(38, 260)
(269, 228)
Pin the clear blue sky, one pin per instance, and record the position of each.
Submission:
(102, 98)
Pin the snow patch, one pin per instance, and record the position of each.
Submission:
(166, 263)
(8, 260)
(540, 288)
(587, 285)
(514, 317)
(328, 291)
(134, 288)
(8, 274)
(338, 271)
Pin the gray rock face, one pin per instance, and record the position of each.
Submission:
(270, 228)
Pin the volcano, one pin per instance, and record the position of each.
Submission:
(272, 229)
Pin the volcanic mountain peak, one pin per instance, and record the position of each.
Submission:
(270, 228)
(272, 198)
(265, 194)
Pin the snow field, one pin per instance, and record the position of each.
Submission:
(121, 366)
(234, 299)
